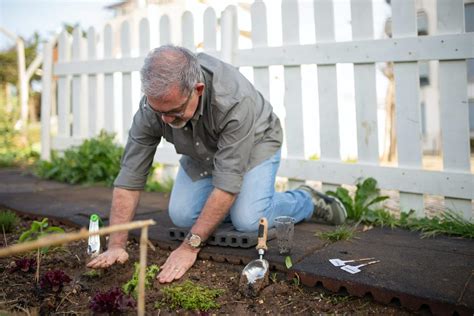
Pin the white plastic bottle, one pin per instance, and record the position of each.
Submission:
(94, 246)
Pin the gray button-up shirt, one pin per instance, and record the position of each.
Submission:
(233, 130)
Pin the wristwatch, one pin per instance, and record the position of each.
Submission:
(194, 240)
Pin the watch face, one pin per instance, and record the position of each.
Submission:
(194, 241)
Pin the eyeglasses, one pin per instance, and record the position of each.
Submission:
(178, 112)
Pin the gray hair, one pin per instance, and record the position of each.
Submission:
(168, 66)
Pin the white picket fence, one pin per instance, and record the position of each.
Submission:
(86, 87)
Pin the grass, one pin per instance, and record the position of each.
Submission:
(342, 232)
(190, 296)
(8, 221)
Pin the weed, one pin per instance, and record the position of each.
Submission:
(8, 221)
(380, 218)
(190, 296)
(366, 195)
(131, 287)
(342, 232)
(334, 299)
(449, 223)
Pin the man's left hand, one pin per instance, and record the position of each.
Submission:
(179, 261)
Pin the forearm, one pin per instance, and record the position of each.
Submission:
(124, 203)
(215, 210)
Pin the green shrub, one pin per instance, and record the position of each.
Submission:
(131, 287)
(96, 160)
(14, 150)
(8, 220)
(190, 296)
(155, 186)
(366, 195)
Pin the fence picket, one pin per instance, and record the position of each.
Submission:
(165, 30)
(261, 75)
(365, 86)
(327, 87)
(144, 34)
(64, 88)
(109, 102)
(92, 92)
(187, 29)
(210, 30)
(407, 104)
(454, 107)
(46, 101)
(229, 34)
(126, 50)
(79, 92)
(293, 100)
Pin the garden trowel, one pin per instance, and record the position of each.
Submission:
(255, 274)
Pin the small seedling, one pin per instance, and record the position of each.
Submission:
(37, 230)
(111, 302)
(8, 221)
(296, 280)
(92, 273)
(54, 280)
(273, 277)
(131, 286)
(190, 296)
(288, 262)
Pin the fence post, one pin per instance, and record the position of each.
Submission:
(92, 92)
(229, 34)
(46, 101)
(64, 89)
(109, 101)
(126, 49)
(210, 29)
(454, 106)
(260, 39)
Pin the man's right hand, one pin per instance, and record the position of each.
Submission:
(108, 258)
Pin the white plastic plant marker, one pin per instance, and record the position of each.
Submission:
(339, 262)
(356, 269)
(93, 246)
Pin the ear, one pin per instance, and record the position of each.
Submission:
(200, 88)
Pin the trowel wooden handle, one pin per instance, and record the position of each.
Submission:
(262, 234)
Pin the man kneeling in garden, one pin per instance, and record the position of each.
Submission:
(230, 141)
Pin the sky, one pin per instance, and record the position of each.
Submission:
(24, 17)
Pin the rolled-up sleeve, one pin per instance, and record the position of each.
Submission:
(234, 147)
(143, 138)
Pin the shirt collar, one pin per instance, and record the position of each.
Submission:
(202, 98)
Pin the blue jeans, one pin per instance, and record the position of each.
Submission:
(256, 199)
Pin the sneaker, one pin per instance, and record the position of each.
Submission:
(326, 208)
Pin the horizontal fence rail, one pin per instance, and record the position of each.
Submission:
(90, 96)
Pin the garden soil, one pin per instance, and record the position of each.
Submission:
(19, 293)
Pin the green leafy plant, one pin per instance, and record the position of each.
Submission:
(96, 160)
(366, 195)
(8, 221)
(342, 232)
(131, 286)
(274, 277)
(448, 222)
(190, 296)
(380, 218)
(288, 262)
(39, 229)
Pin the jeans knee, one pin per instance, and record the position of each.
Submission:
(181, 218)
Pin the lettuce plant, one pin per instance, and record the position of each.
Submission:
(24, 265)
(111, 302)
(54, 280)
